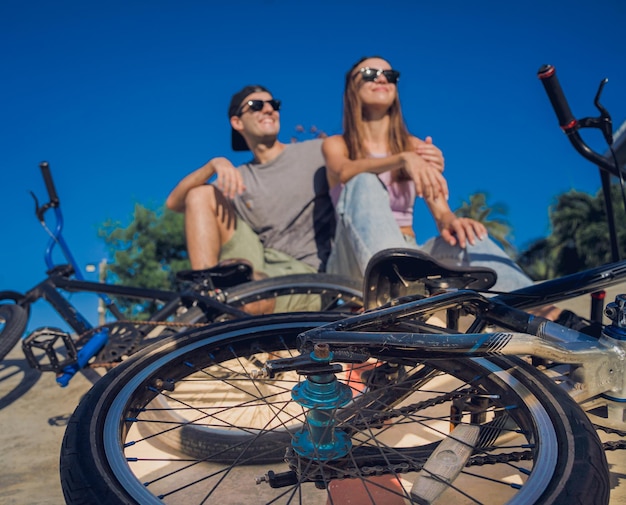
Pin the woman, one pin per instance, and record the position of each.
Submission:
(377, 165)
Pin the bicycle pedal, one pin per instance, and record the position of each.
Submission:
(55, 358)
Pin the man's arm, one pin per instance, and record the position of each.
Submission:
(229, 181)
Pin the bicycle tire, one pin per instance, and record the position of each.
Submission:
(337, 292)
(14, 297)
(13, 321)
(101, 462)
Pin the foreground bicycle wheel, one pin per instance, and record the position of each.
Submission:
(191, 421)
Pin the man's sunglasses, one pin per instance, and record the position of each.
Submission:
(371, 74)
(257, 105)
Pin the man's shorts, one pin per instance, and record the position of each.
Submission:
(247, 245)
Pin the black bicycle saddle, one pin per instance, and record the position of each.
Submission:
(225, 274)
(393, 273)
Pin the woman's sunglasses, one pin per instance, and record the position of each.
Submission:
(257, 105)
(371, 74)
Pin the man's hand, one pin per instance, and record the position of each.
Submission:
(429, 183)
(431, 153)
(229, 180)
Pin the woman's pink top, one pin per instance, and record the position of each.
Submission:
(401, 196)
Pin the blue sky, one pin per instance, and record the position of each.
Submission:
(123, 98)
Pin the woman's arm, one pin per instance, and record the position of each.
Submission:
(340, 168)
(454, 229)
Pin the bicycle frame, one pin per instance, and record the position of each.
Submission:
(60, 278)
(600, 365)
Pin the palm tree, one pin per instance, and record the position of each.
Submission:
(497, 227)
(579, 238)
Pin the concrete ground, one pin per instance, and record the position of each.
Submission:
(34, 411)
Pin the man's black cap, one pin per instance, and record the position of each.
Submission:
(237, 142)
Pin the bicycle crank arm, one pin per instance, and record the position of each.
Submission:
(88, 351)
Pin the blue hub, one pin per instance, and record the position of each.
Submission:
(322, 394)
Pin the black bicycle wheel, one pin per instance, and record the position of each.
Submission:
(533, 444)
(310, 292)
(13, 321)
(291, 293)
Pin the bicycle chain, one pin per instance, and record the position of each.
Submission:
(415, 465)
(142, 323)
(378, 418)
(125, 348)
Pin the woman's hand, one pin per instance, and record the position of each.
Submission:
(461, 230)
(229, 180)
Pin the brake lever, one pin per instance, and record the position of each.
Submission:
(604, 122)
(41, 210)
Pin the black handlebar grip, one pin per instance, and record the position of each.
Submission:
(47, 177)
(547, 75)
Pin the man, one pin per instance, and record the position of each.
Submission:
(274, 211)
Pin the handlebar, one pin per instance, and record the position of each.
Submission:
(56, 234)
(547, 74)
(53, 201)
(570, 125)
(47, 177)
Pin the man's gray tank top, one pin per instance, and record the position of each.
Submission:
(286, 203)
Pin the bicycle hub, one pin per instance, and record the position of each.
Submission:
(322, 394)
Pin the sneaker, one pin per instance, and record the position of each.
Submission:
(570, 320)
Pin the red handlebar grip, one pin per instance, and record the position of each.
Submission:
(547, 75)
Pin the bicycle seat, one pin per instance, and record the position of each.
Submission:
(393, 273)
(225, 274)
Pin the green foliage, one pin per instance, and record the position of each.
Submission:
(491, 216)
(579, 238)
(146, 253)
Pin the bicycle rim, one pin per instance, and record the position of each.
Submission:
(533, 447)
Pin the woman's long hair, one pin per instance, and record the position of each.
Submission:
(398, 138)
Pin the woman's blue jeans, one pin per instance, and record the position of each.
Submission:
(365, 226)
